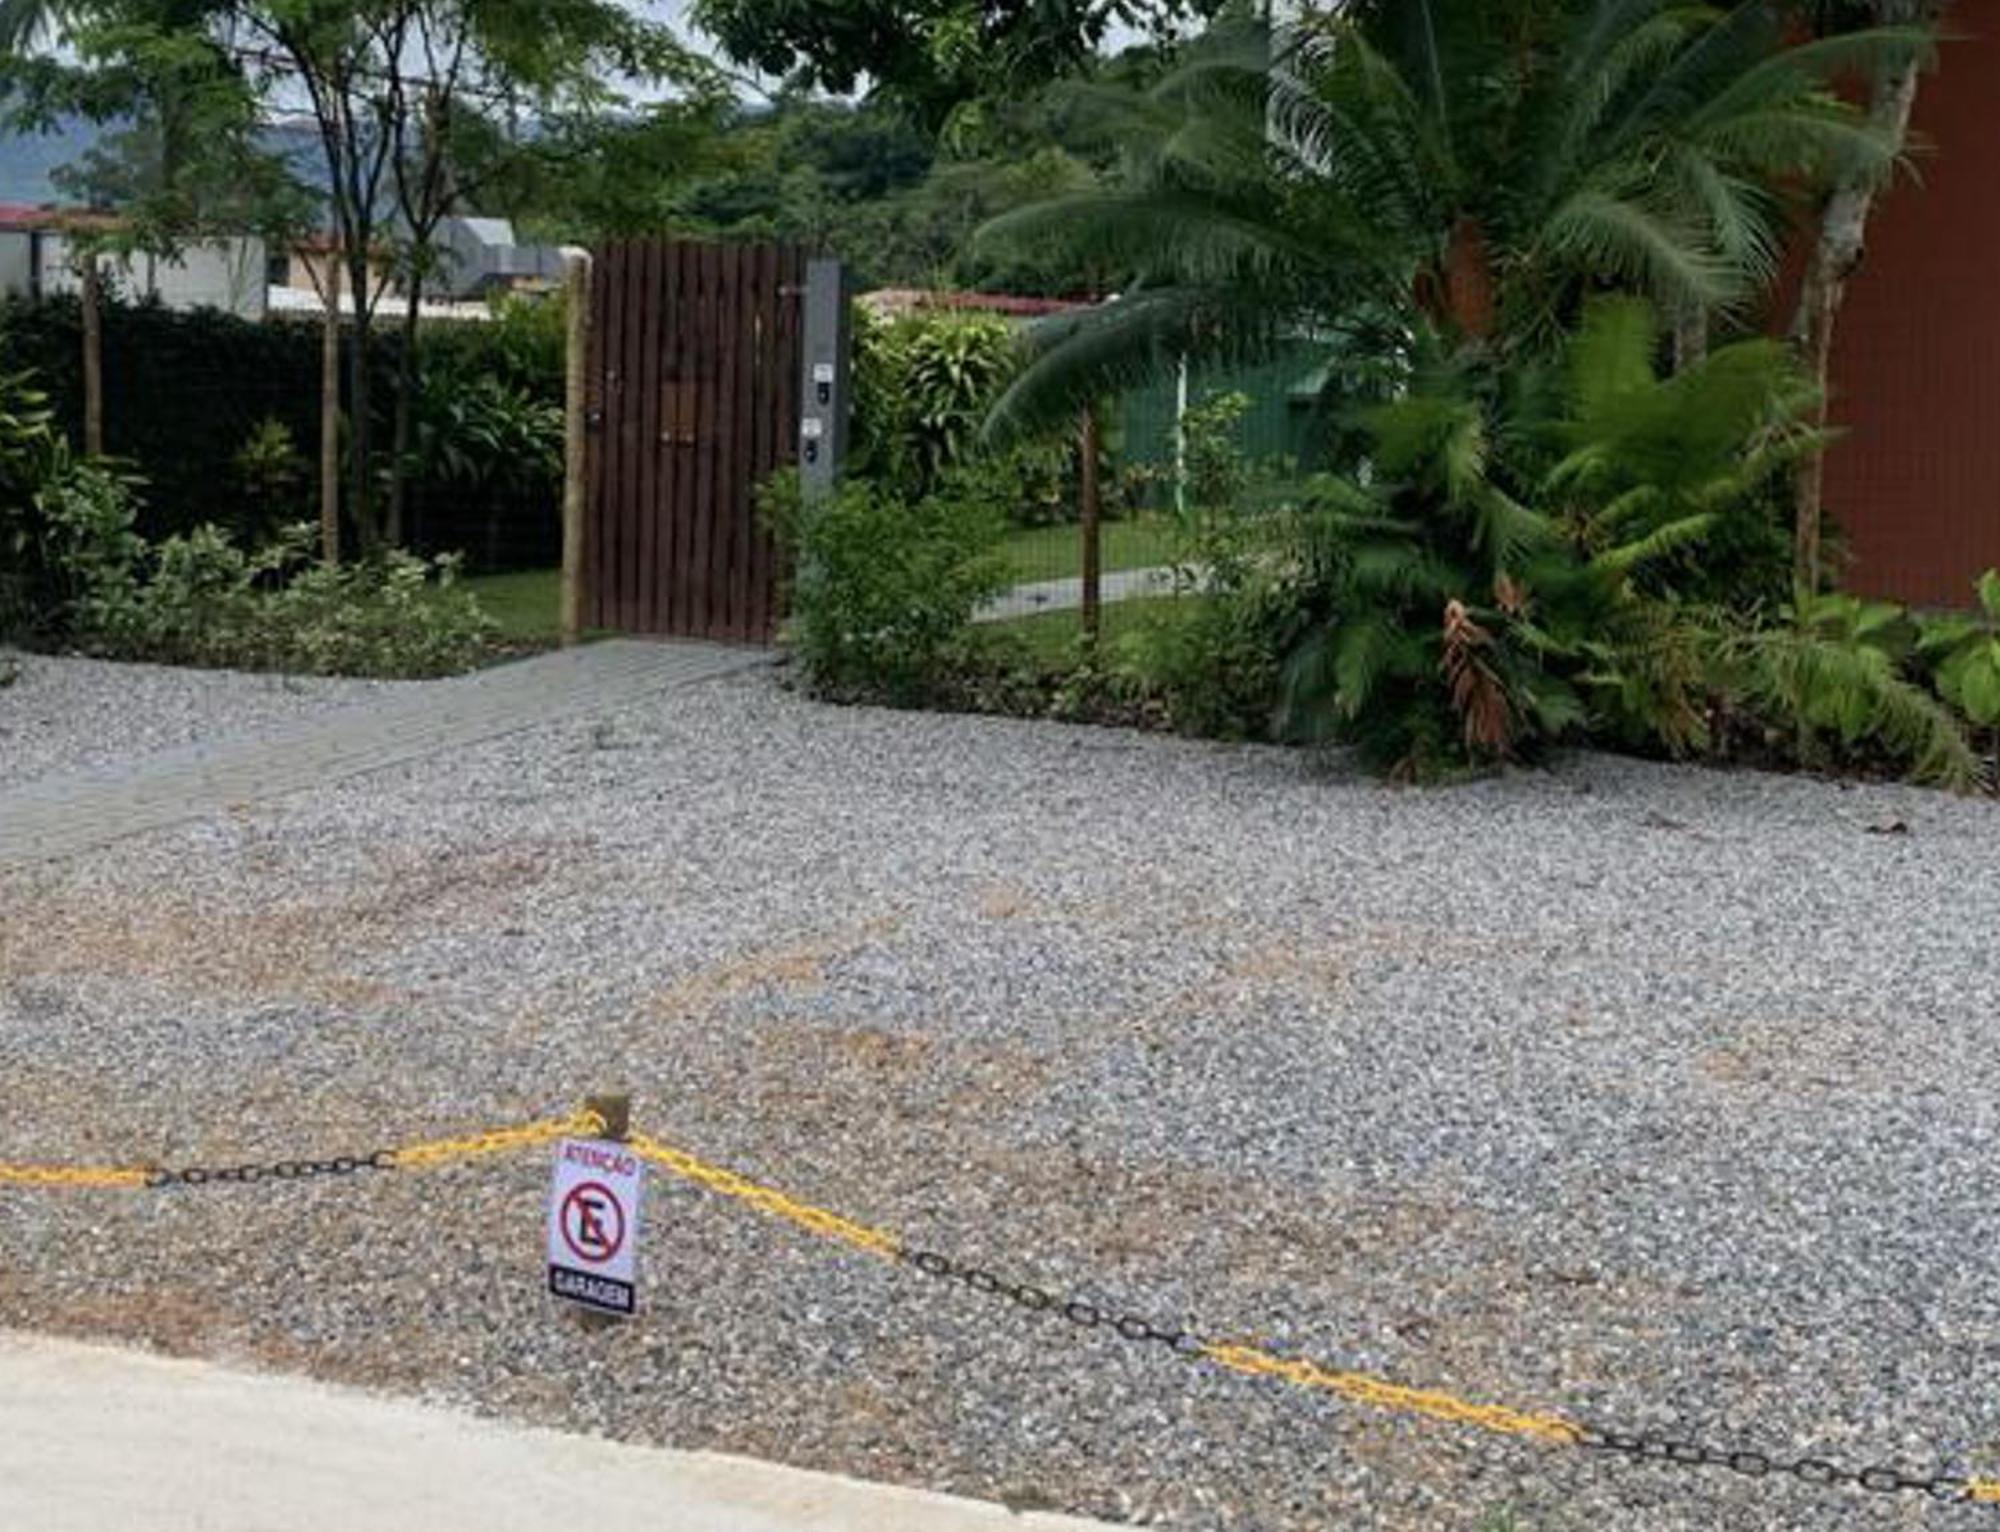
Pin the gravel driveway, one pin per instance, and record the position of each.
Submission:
(61, 715)
(1650, 1094)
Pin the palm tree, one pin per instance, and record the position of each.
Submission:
(1468, 171)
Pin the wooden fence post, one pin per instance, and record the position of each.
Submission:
(90, 297)
(1088, 511)
(576, 440)
(329, 416)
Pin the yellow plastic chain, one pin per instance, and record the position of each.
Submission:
(1359, 1388)
(769, 1199)
(70, 1175)
(1381, 1394)
(437, 1151)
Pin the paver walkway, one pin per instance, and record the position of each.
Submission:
(76, 812)
(1066, 595)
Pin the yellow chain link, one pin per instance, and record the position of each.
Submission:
(416, 1156)
(876, 1242)
(1381, 1394)
(1357, 1387)
(437, 1151)
(68, 1175)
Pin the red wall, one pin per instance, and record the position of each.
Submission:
(1914, 484)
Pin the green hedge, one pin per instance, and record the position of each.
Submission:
(184, 392)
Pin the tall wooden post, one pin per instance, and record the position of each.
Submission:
(329, 415)
(576, 440)
(1088, 511)
(90, 297)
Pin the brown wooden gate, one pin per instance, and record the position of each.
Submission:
(693, 399)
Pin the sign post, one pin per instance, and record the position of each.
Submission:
(593, 1224)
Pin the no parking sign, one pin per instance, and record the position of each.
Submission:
(593, 1232)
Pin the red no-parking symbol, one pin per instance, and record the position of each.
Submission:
(593, 1222)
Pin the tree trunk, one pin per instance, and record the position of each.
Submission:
(90, 299)
(1843, 231)
(329, 420)
(1469, 292)
(406, 388)
(360, 496)
(1690, 337)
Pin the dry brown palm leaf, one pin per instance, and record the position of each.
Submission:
(1476, 692)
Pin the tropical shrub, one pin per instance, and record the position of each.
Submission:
(922, 386)
(1963, 656)
(1475, 171)
(201, 599)
(1832, 679)
(186, 392)
(1503, 573)
(884, 589)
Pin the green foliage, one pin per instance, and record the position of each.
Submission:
(200, 599)
(1209, 662)
(884, 588)
(923, 384)
(270, 472)
(929, 57)
(1504, 574)
(185, 392)
(1833, 674)
(1473, 170)
(1963, 655)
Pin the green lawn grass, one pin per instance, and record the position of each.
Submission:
(527, 605)
(1056, 553)
(1051, 637)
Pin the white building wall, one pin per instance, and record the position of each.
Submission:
(225, 274)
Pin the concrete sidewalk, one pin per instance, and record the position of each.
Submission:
(96, 1440)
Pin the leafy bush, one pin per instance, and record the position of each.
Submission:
(1963, 654)
(1833, 677)
(1504, 573)
(884, 589)
(922, 386)
(200, 599)
(187, 392)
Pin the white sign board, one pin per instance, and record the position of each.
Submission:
(594, 1224)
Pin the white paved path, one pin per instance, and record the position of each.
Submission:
(95, 1440)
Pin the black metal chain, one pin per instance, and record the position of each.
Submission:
(1663, 1450)
(1679, 1453)
(278, 1170)
(1039, 1300)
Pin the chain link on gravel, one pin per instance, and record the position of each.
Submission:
(1043, 1302)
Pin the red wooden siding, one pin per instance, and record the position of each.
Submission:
(693, 392)
(1914, 484)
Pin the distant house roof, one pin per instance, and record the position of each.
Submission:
(891, 302)
(25, 217)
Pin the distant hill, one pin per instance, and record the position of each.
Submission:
(28, 161)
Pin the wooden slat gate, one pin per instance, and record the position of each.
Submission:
(693, 399)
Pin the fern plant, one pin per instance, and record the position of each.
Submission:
(1503, 571)
(1832, 672)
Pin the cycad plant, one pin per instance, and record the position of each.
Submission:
(1398, 167)
(1510, 567)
